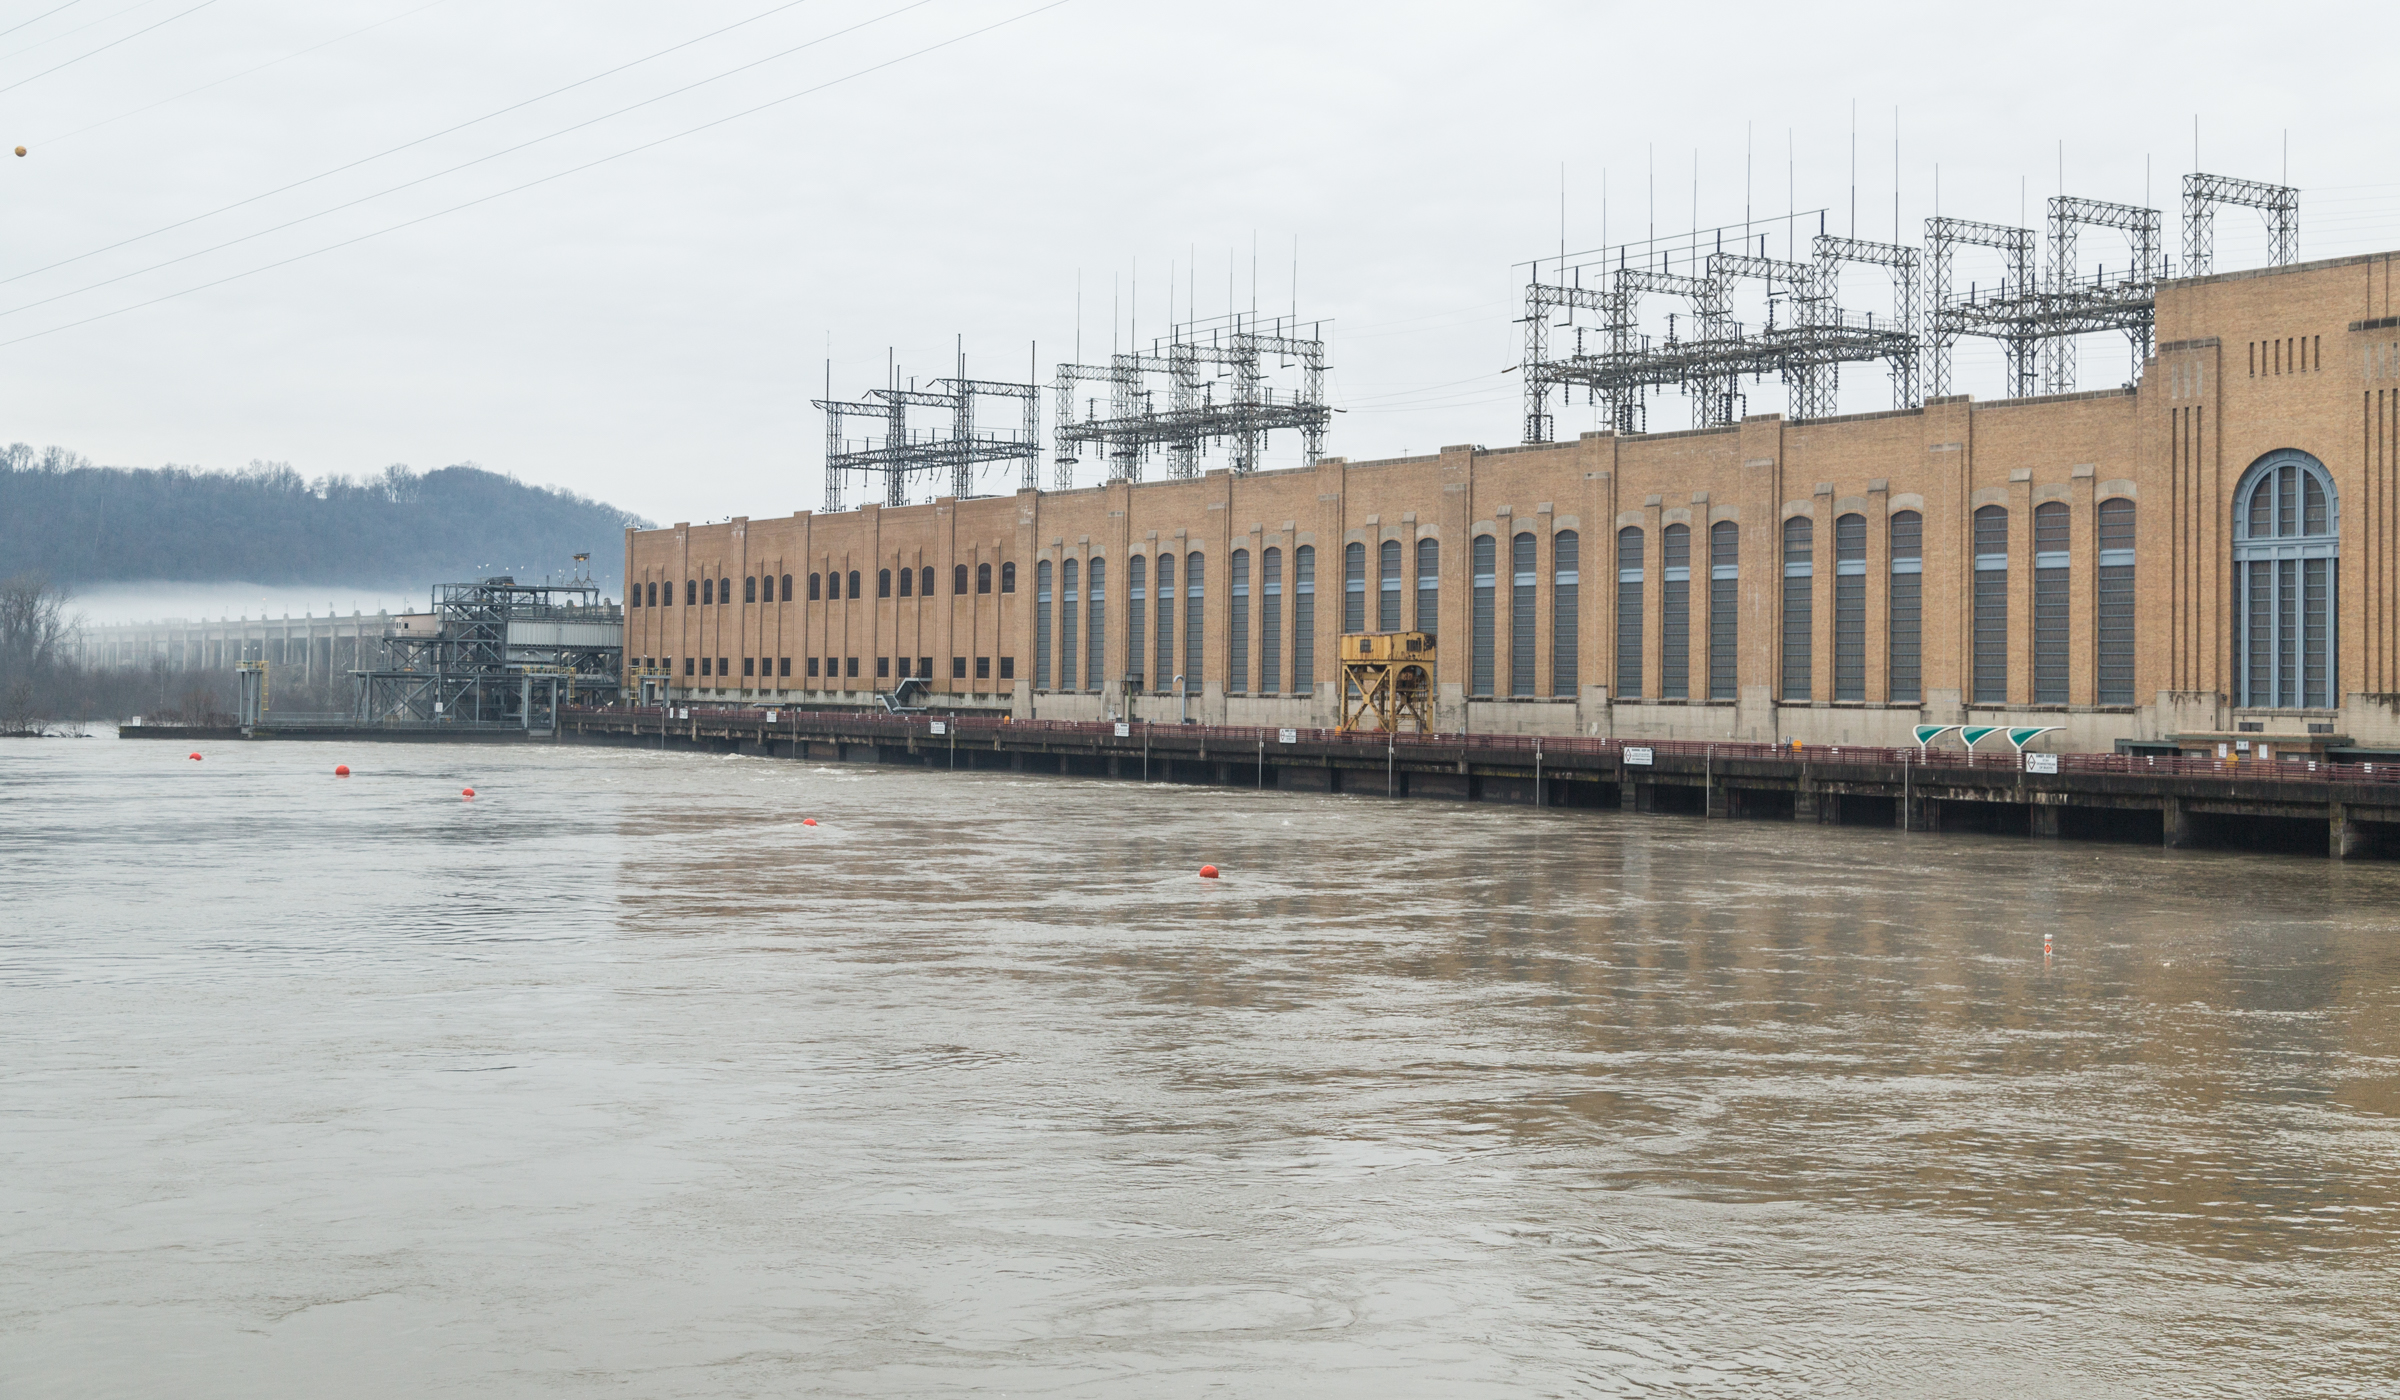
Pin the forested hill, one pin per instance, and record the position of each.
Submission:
(81, 524)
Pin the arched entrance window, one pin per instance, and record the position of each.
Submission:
(2286, 537)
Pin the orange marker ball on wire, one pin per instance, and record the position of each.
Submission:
(20, 150)
(466, 792)
(341, 770)
(1208, 872)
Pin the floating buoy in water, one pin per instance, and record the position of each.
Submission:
(1208, 872)
(808, 821)
(341, 770)
(195, 758)
(466, 792)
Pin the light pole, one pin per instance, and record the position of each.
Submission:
(1182, 703)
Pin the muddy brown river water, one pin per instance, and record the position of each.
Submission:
(618, 1080)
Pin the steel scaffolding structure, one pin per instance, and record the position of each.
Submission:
(2279, 205)
(893, 454)
(1805, 351)
(1195, 359)
(2035, 311)
(495, 652)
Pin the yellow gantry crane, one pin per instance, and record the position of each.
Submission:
(1387, 678)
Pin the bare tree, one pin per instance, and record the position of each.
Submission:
(33, 626)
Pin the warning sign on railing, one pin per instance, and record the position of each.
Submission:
(1638, 758)
(1287, 736)
(940, 728)
(1124, 730)
(2041, 763)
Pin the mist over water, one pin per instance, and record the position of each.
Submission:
(618, 1079)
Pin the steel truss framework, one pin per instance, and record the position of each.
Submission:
(2035, 312)
(2279, 205)
(891, 454)
(1193, 363)
(499, 652)
(1806, 352)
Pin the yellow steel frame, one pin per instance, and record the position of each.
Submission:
(1387, 680)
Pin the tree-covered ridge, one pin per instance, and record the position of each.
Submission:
(80, 524)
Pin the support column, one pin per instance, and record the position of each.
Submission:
(1628, 794)
(1804, 797)
(2345, 837)
(2045, 821)
(2175, 823)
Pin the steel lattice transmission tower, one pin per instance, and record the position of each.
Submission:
(2279, 205)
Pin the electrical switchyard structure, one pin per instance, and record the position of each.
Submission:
(888, 455)
(1217, 379)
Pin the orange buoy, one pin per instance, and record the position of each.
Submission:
(195, 758)
(1208, 872)
(808, 821)
(466, 792)
(341, 770)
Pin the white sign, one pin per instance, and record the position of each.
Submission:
(437, 707)
(1124, 730)
(2041, 763)
(683, 714)
(940, 728)
(2241, 746)
(774, 717)
(1638, 758)
(1287, 736)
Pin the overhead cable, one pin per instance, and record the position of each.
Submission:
(546, 179)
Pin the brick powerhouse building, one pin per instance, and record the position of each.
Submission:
(2211, 549)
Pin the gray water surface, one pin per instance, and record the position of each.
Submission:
(618, 1080)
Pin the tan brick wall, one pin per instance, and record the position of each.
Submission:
(2247, 363)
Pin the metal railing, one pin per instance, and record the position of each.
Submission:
(1815, 755)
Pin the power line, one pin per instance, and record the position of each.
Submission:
(452, 170)
(104, 48)
(37, 19)
(78, 29)
(546, 179)
(246, 72)
(406, 145)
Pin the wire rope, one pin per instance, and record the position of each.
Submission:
(104, 48)
(550, 178)
(37, 19)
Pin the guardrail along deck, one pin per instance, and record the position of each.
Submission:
(2342, 809)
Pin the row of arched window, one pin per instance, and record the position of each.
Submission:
(712, 591)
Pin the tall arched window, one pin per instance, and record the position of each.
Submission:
(1520, 613)
(1991, 606)
(1724, 606)
(1483, 645)
(1675, 615)
(1270, 621)
(1850, 607)
(1907, 662)
(2115, 600)
(983, 578)
(1429, 586)
(926, 583)
(2287, 535)
(1629, 613)
(787, 588)
(1354, 587)
(883, 583)
(854, 584)
(1041, 625)
(1137, 604)
(1195, 578)
(1164, 681)
(1387, 587)
(1799, 606)
(2053, 526)
(1095, 639)
(1070, 604)
(958, 578)
(1566, 662)
(816, 587)
(1008, 578)
(1304, 618)
(908, 579)
(1237, 625)
(708, 591)
(691, 595)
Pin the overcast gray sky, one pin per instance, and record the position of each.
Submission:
(648, 325)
